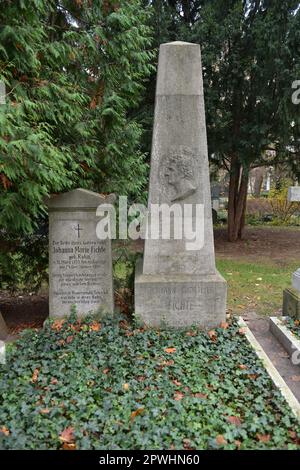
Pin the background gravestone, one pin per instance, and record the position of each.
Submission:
(80, 265)
(291, 296)
(173, 285)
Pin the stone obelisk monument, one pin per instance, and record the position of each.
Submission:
(291, 296)
(177, 284)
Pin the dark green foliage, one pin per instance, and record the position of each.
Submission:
(24, 260)
(124, 262)
(294, 326)
(73, 376)
(73, 70)
(251, 57)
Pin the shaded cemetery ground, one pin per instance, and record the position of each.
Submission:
(262, 245)
(277, 244)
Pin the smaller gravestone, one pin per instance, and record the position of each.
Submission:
(294, 194)
(291, 296)
(80, 264)
(296, 280)
(3, 329)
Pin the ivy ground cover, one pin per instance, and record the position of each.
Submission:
(293, 326)
(110, 384)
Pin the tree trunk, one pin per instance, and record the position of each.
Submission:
(186, 7)
(237, 200)
(258, 182)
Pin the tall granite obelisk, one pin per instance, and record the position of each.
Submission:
(176, 285)
(291, 296)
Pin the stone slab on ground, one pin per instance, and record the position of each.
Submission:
(274, 374)
(288, 340)
(259, 326)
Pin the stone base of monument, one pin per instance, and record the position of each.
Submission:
(291, 303)
(180, 300)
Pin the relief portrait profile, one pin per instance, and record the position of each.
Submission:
(179, 173)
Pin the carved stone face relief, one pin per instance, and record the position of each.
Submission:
(178, 175)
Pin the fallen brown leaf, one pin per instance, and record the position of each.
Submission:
(176, 382)
(123, 324)
(252, 376)
(141, 378)
(69, 446)
(234, 420)
(135, 413)
(35, 375)
(263, 437)
(200, 395)
(170, 350)
(220, 440)
(4, 430)
(187, 444)
(294, 436)
(57, 325)
(178, 395)
(167, 363)
(95, 326)
(191, 333)
(213, 335)
(224, 325)
(67, 435)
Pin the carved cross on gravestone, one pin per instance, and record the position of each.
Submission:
(78, 229)
(294, 196)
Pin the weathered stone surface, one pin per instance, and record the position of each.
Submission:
(291, 303)
(180, 175)
(296, 280)
(3, 329)
(80, 265)
(294, 194)
(180, 300)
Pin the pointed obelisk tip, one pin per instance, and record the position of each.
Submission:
(179, 69)
(179, 43)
